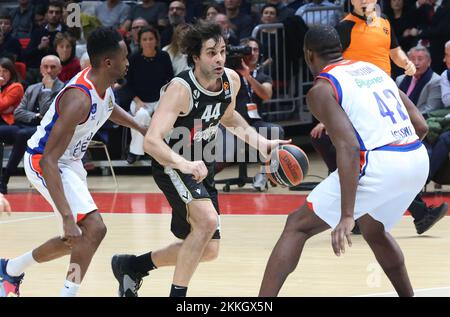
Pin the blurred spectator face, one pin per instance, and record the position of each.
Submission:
(252, 59)
(39, 20)
(136, 26)
(211, 14)
(148, 41)
(5, 76)
(397, 5)
(361, 6)
(51, 66)
(447, 55)
(54, 15)
(64, 50)
(421, 60)
(222, 20)
(177, 12)
(269, 15)
(231, 4)
(5, 26)
(23, 3)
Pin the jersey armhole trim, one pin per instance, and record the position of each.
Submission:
(82, 88)
(335, 84)
(191, 102)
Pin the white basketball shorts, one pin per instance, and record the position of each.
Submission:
(391, 176)
(73, 176)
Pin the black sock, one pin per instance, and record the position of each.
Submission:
(178, 291)
(143, 263)
(418, 208)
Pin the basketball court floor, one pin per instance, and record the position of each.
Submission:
(138, 220)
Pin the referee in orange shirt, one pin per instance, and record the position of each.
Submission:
(367, 36)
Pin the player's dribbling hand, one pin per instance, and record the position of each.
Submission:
(71, 231)
(342, 231)
(271, 144)
(410, 68)
(4, 205)
(197, 169)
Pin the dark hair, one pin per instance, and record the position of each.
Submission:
(60, 36)
(40, 9)
(101, 42)
(269, 6)
(196, 35)
(6, 63)
(56, 3)
(4, 14)
(146, 29)
(218, 8)
(324, 40)
(245, 40)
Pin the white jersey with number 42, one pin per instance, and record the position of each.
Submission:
(371, 100)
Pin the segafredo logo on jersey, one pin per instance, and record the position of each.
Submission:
(216, 149)
(206, 134)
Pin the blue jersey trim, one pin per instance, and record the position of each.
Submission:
(401, 147)
(335, 83)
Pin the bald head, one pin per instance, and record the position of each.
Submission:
(50, 66)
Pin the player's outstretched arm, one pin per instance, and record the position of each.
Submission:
(418, 121)
(323, 105)
(73, 108)
(237, 125)
(173, 102)
(123, 118)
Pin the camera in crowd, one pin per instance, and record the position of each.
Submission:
(235, 55)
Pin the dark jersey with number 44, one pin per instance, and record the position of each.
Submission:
(194, 132)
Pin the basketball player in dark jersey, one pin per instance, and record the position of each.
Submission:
(190, 110)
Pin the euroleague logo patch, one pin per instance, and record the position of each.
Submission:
(226, 86)
(385, 30)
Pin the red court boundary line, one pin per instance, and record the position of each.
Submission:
(155, 203)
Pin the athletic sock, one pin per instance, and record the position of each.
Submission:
(178, 291)
(17, 266)
(143, 263)
(70, 289)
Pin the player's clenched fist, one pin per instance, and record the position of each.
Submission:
(197, 169)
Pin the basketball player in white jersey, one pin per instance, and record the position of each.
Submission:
(53, 162)
(382, 164)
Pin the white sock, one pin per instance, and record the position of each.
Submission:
(70, 289)
(17, 266)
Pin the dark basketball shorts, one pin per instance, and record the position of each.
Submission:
(181, 189)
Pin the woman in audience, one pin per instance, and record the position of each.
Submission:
(65, 49)
(179, 60)
(11, 91)
(211, 11)
(149, 70)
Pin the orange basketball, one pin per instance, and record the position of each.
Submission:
(287, 166)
